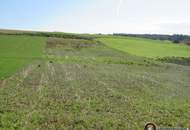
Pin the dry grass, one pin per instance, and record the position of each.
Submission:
(74, 43)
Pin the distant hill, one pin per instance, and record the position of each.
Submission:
(176, 38)
(47, 34)
(14, 31)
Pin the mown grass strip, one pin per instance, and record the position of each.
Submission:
(146, 47)
(17, 51)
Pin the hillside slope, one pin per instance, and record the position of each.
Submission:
(84, 84)
(146, 47)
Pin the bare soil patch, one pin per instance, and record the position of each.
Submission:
(74, 43)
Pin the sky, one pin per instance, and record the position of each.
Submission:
(97, 16)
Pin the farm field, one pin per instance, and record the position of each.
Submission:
(147, 48)
(15, 52)
(80, 84)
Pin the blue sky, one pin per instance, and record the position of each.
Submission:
(97, 16)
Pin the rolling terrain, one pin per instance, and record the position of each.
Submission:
(97, 83)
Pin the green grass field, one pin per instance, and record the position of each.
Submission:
(77, 84)
(17, 51)
(147, 47)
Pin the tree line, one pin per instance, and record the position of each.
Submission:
(176, 38)
(48, 34)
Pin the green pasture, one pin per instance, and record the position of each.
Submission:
(17, 51)
(146, 47)
(80, 84)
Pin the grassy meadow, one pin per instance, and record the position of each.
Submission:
(17, 51)
(146, 47)
(81, 84)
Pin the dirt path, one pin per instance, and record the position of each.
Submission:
(2, 83)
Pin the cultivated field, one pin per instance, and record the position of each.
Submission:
(78, 84)
(147, 48)
(15, 52)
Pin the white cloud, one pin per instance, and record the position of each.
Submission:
(177, 27)
(125, 16)
(119, 6)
